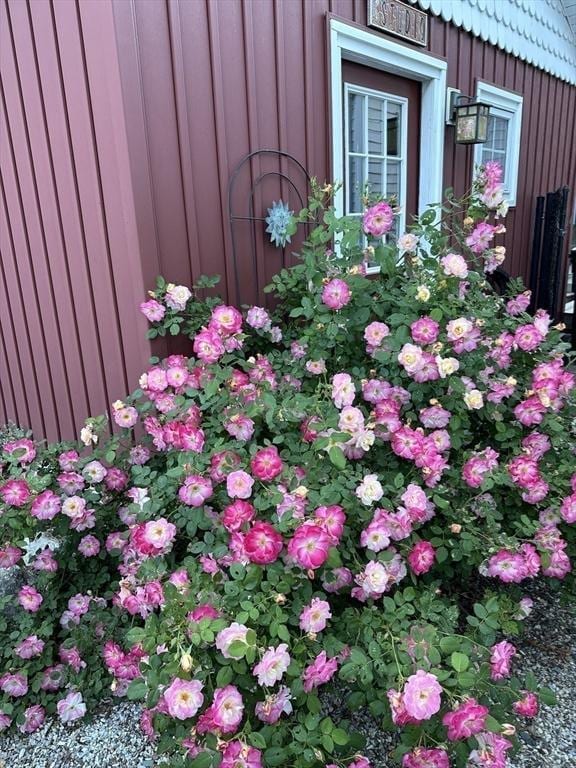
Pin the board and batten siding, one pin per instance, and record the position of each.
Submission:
(71, 339)
(253, 74)
(121, 122)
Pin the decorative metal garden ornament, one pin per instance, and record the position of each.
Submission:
(278, 219)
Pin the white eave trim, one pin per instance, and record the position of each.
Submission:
(535, 31)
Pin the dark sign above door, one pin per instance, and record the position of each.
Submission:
(399, 19)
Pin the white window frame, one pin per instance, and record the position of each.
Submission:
(402, 157)
(364, 47)
(505, 104)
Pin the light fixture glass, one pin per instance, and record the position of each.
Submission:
(471, 120)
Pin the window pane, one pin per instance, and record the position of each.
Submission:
(376, 176)
(355, 184)
(496, 147)
(376, 126)
(393, 129)
(356, 122)
(393, 179)
(500, 135)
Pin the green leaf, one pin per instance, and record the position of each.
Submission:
(428, 217)
(311, 722)
(493, 725)
(547, 696)
(460, 662)
(337, 457)
(467, 679)
(480, 611)
(340, 736)
(449, 644)
(313, 703)
(237, 649)
(224, 676)
(137, 690)
(203, 760)
(275, 756)
(327, 742)
(257, 740)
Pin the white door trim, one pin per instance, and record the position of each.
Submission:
(359, 45)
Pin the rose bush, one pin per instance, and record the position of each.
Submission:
(352, 489)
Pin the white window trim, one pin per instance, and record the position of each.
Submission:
(359, 45)
(511, 104)
(403, 157)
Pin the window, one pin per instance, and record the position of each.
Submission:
(504, 127)
(375, 139)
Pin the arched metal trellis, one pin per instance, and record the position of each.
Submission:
(293, 182)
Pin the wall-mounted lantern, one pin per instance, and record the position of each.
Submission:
(470, 117)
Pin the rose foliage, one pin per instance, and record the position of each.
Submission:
(349, 493)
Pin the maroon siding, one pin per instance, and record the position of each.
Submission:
(253, 75)
(121, 122)
(70, 273)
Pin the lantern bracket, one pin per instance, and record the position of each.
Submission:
(452, 96)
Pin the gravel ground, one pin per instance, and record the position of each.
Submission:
(548, 649)
(112, 739)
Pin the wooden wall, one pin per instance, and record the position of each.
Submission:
(249, 74)
(121, 122)
(70, 272)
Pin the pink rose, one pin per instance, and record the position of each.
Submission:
(527, 706)
(421, 557)
(267, 464)
(208, 346)
(314, 616)
(225, 638)
(343, 390)
(454, 265)
(500, 658)
(14, 685)
(466, 720)
(422, 757)
(152, 310)
(263, 543)
(309, 546)
(226, 320)
(336, 294)
(225, 713)
(239, 484)
(319, 672)
(240, 755)
(425, 330)
(29, 598)
(378, 219)
(422, 693)
(274, 706)
(195, 491)
(71, 707)
(183, 698)
(46, 505)
(34, 717)
(271, 668)
(15, 493)
(238, 513)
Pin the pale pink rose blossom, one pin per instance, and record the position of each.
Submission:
(273, 665)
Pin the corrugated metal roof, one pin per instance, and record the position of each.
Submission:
(541, 32)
